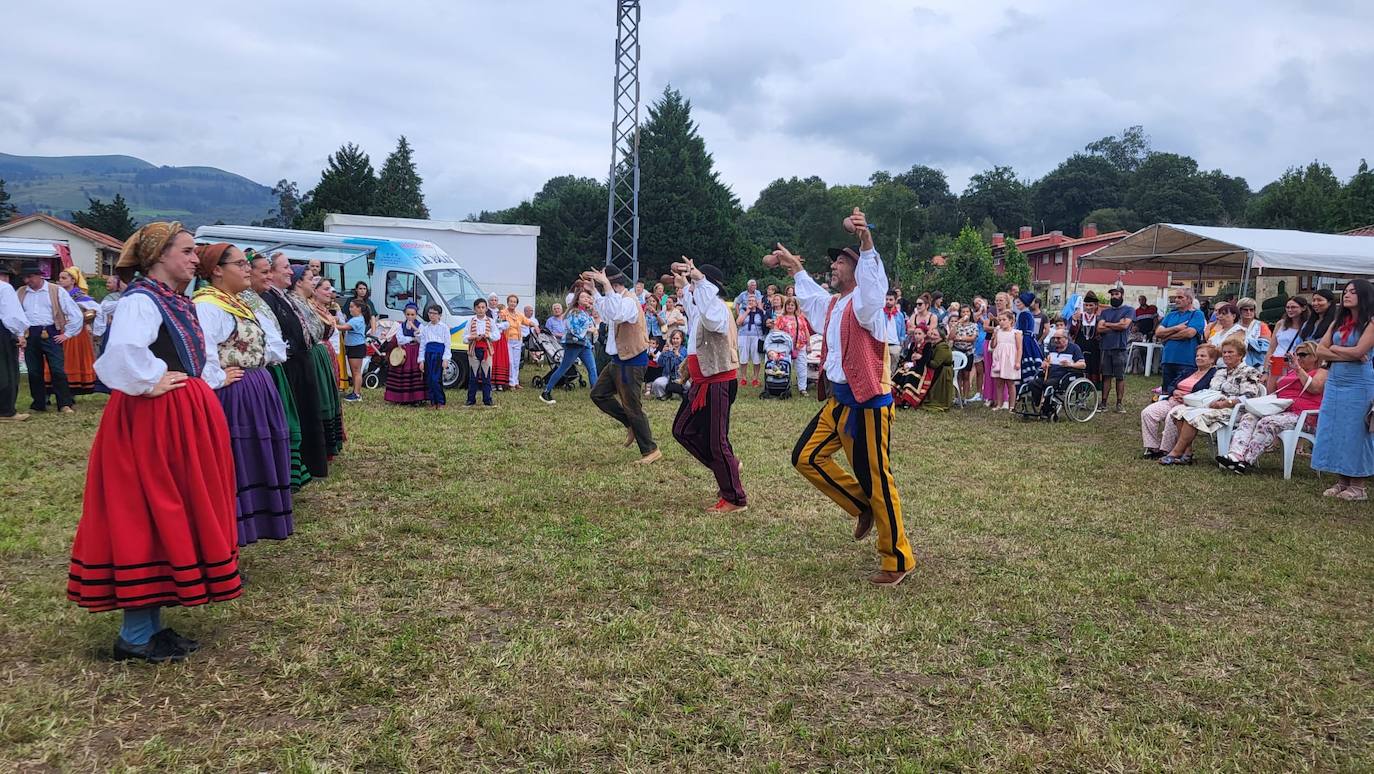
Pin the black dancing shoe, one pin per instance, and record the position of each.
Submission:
(157, 650)
(185, 643)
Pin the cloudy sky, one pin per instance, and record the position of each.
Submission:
(497, 97)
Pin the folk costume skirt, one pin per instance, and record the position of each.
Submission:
(306, 388)
(405, 383)
(157, 522)
(261, 441)
(78, 355)
(331, 409)
(500, 364)
(299, 475)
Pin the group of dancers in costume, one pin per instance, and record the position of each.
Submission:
(214, 423)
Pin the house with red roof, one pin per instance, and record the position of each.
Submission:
(1055, 272)
(92, 252)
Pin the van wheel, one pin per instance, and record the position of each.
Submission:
(456, 372)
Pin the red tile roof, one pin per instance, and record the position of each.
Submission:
(1362, 231)
(104, 240)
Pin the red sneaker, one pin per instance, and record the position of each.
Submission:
(744, 382)
(756, 382)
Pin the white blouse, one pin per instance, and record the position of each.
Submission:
(128, 363)
(435, 333)
(107, 307)
(276, 345)
(217, 325)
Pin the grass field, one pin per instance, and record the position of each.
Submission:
(497, 589)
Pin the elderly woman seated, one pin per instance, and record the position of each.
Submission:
(1303, 383)
(1234, 381)
(1157, 431)
(912, 381)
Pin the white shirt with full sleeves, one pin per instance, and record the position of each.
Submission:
(276, 345)
(107, 307)
(216, 325)
(38, 307)
(437, 333)
(703, 306)
(867, 300)
(128, 363)
(614, 309)
(11, 313)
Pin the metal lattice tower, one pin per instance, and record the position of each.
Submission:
(622, 215)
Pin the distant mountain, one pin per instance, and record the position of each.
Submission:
(195, 196)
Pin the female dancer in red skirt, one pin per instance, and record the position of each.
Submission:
(158, 518)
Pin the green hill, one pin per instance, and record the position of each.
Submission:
(194, 195)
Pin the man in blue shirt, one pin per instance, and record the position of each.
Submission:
(742, 300)
(1063, 361)
(1114, 329)
(1179, 331)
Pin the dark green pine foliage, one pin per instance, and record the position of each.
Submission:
(347, 185)
(684, 208)
(113, 218)
(398, 186)
(7, 210)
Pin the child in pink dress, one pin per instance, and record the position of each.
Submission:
(1006, 362)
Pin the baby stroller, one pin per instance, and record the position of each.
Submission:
(552, 351)
(777, 365)
(375, 363)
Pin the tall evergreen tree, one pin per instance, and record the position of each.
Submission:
(1359, 198)
(347, 185)
(968, 269)
(684, 208)
(113, 218)
(398, 186)
(1016, 269)
(289, 203)
(7, 210)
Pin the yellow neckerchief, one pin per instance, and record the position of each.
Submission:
(231, 304)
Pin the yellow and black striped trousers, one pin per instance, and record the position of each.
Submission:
(871, 487)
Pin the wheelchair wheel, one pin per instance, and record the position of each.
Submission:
(1080, 400)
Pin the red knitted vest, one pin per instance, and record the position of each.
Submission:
(863, 358)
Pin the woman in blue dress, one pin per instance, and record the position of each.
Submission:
(1345, 445)
(1031, 353)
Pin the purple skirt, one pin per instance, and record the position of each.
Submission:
(261, 441)
(406, 383)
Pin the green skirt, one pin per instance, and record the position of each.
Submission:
(299, 475)
(331, 408)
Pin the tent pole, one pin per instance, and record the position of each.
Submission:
(1245, 277)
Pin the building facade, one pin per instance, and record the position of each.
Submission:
(91, 251)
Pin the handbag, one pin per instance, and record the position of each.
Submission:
(1266, 405)
(1202, 398)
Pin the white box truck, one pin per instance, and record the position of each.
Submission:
(500, 257)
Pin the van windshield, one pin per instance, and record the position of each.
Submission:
(456, 288)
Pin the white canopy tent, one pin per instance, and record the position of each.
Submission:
(1214, 252)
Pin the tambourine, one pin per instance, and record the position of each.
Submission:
(88, 316)
(397, 358)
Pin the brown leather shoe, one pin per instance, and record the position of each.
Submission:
(863, 525)
(650, 458)
(888, 578)
(15, 418)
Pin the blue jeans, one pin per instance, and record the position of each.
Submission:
(571, 354)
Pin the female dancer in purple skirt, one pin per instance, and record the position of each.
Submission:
(258, 430)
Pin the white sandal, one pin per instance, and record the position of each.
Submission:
(1353, 494)
(1334, 491)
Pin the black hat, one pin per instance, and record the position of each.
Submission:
(851, 253)
(1091, 298)
(713, 273)
(616, 278)
(29, 267)
(1117, 289)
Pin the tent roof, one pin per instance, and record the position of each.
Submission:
(1214, 251)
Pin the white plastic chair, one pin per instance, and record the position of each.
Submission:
(960, 363)
(1290, 438)
(1223, 434)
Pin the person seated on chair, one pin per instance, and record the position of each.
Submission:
(1234, 380)
(941, 370)
(1158, 432)
(1302, 383)
(1063, 362)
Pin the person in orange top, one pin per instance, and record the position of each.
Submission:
(515, 319)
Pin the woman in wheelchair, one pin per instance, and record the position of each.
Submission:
(1063, 362)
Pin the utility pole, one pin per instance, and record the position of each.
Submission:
(622, 212)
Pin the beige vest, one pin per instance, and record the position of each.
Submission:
(717, 352)
(631, 338)
(59, 320)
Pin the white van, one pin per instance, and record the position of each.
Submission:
(398, 272)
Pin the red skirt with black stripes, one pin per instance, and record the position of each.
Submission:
(157, 523)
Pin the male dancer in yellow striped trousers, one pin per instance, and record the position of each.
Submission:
(857, 414)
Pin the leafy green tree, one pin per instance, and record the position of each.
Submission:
(1234, 194)
(939, 208)
(113, 218)
(347, 185)
(288, 208)
(1016, 269)
(571, 214)
(968, 269)
(1167, 188)
(1359, 198)
(1114, 219)
(1308, 199)
(684, 208)
(1126, 152)
(1076, 187)
(999, 195)
(7, 210)
(398, 186)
